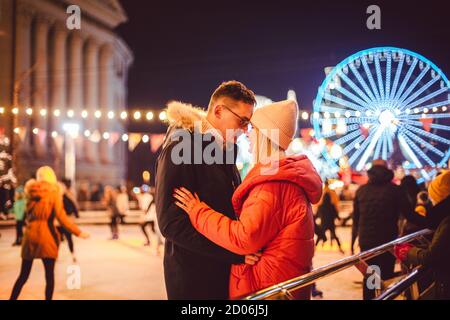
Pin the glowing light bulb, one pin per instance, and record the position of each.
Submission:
(162, 115)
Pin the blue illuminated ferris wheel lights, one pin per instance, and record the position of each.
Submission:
(389, 92)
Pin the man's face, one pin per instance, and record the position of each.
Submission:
(230, 115)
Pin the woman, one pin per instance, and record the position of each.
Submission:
(41, 239)
(328, 213)
(122, 202)
(273, 205)
(110, 200)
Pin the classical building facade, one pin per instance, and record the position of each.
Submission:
(50, 75)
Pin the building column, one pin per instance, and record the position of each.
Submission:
(75, 79)
(91, 85)
(58, 88)
(40, 81)
(22, 77)
(106, 99)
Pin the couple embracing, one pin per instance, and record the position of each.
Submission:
(226, 239)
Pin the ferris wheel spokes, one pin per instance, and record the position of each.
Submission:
(397, 78)
(404, 103)
(379, 77)
(354, 98)
(427, 134)
(406, 79)
(426, 98)
(347, 80)
(428, 145)
(369, 76)
(413, 86)
(362, 82)
(388, 76)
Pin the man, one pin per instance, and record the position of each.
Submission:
(194, 267)
(377, 208)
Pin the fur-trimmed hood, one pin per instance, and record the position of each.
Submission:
(184, 115)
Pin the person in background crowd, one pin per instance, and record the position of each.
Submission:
(148, 220)
(83, 193)
(377, 208)
(41, 240)
(96, 192)
(436, 256)
(328, 212)
(122, 202)
(110, 197)
(320, 234)
(71, 208)
(412, 189)
(144, 198)
(346, 194)
(18, 210)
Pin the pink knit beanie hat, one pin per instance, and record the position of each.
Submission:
(280, 115)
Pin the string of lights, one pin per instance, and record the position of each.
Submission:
(146, 115)
(84, 114)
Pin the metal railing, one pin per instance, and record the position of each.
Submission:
(408, 282)
(283, 290)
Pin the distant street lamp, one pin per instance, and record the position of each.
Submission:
(71, 133)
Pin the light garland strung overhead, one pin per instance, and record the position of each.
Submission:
(135, 115)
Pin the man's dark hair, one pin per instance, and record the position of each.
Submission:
(234, 90)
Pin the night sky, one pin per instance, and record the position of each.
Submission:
(183, 50)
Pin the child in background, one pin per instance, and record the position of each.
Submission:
(18, 210)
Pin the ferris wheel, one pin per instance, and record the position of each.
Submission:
(385, 103)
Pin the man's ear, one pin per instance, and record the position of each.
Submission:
(217, 111)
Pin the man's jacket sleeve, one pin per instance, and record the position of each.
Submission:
(173, 222)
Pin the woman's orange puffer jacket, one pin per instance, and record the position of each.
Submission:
(275, 216)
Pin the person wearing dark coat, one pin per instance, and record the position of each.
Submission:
(435, 256)
(412, 190)
(328, 213)
(71, 208)
(195, 267)
(377, 208)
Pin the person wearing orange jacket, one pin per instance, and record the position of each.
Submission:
(41, 239)
(273, 205)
